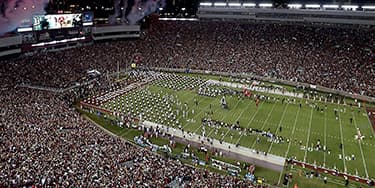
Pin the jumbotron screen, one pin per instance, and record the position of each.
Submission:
(56, 21)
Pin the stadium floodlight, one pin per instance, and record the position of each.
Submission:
(248, 4)
(58, 41)
(88, 23)
(205, 4)
(331, 6)
(39, 44)
(180, 19)
(368, 7)
(234, 4)
(24, 29)
(294, 5)
(265, 5)
(353, 7)
(312, 6)
(220, 4)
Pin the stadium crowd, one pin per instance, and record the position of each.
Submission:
(338, 58)
(43, 141)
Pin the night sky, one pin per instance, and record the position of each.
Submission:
(192, 5)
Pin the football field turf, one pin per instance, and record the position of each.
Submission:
(300, 127)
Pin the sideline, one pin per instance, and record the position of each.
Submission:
(154, 153)
(245, 154)
(107, 131)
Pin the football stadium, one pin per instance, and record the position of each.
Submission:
(160, 93)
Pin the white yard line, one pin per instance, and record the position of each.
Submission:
(179, 119)
(360, 147)
(209, 134)
(342, 141)
(199, 113)
(195, 131)
(278, 127)
(268, 117)
(290, 143)
(325, 137)
(227, 131)
(308, 135)
(213, 129)
(247, 126)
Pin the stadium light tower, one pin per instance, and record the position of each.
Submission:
(296, 6)
(234, 4)
(207, 4)
(312, 6)
(330, 6)
(368, 7)
(265, 5)
(248, 4)
(349, 7)
(220, 4)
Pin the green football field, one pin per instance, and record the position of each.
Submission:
(165, 101)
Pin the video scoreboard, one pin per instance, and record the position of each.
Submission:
(56, 21)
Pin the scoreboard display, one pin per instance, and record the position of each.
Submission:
(56, 21)
(39, 23)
